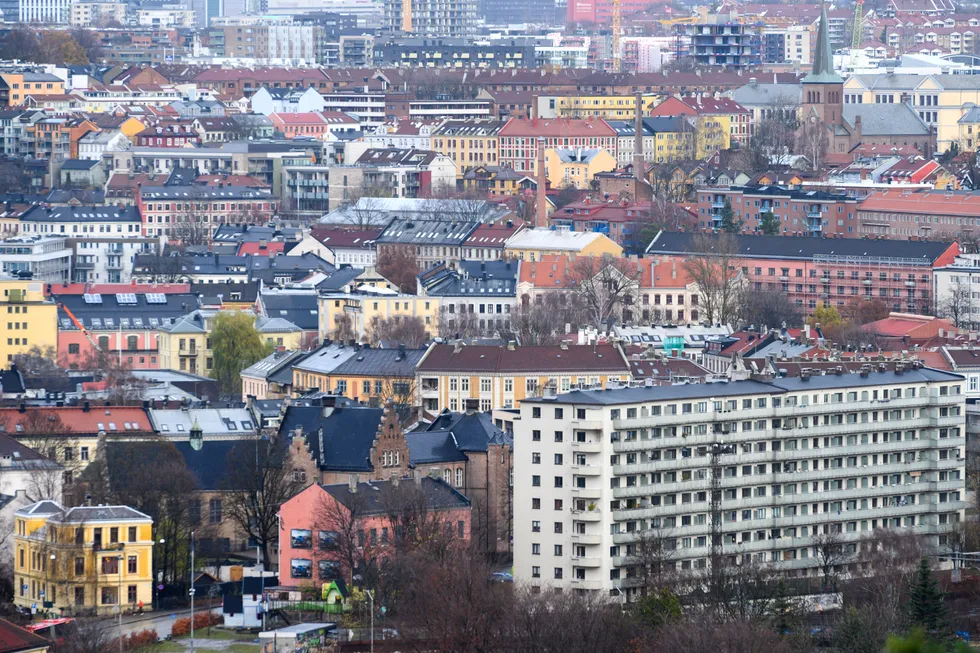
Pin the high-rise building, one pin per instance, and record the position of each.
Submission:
(723, 40)
(431, 17)
(734, 472)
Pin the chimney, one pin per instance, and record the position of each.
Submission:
(352, 483)
(638, 142)
(541, 215)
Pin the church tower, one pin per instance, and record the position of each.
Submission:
(823, 89)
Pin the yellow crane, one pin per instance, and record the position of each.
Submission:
(857, 31)
(617, 56)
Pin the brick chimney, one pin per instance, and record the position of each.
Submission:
(541, 214)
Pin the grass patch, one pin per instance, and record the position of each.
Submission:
(243, 648)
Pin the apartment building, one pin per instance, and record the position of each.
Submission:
(800, 212)
(830, 271)
(773, 464)
(174, 210)
(519, 139)
(96, 14)
(427, 18)
(932, 214)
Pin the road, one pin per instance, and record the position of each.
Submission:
(162, 622)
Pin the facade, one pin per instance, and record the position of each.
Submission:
(720, 40)
(179, 211)
(577, 168)
(927, 214)
(31, 318)
(370, 376)
(831, 271)
(469, 143)
(533, 244)
(492, 377)
(848, 454)
(800, 212)
(362, 308)
(312, 524)
(96, 14)
(426, 18)
(519, 139)
(83, 560)
(45, 258)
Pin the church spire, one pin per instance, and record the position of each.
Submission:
(823, 56)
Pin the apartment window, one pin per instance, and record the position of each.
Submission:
(110, 565)
(131, 565)
(214, 511)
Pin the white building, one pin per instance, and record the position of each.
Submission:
(599, 471)
(47, 258)
(168, 16)
(94, 145)
(268, 101)
(109, 260)
(44, 11)
(97, 14)
(956, 288)
(25, 477)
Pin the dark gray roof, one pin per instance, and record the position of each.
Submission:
(484, 279)
(427, 447)
(17, 456)
(375, 494)
(209, 465)
(739, 388)
(803, 248)
(886, 119)
(348, 434)
(81, 214)
(472, 431)
(79, 164)
(336, 280)
(195, 192)
(271, 269)
(299, 308)
(375, 362)
(124, 310)
(249, 292)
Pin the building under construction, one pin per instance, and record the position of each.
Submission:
(445, 18)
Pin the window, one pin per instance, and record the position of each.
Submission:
(214, 511)
(131, 534)
(110, 565)
(485, 384)
(79, 566)
(73, 348)
(109, 596)
(131, 565)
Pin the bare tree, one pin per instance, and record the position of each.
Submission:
(712, 267)
(398, 264)
(343, 523)
(343, 330)
(813, 141)
(651, 558)
(969, 241)
(406, 330)
(364, 208)
(259, 480)
(40, 368)
(772, 137)
(831, 553)
(608, 287)
(46, 433)
(546, 319)
(956, 305)
(89, 636)
(162, 267)
(455, 322)
(770, 308)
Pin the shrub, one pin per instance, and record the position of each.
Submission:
(201, 620)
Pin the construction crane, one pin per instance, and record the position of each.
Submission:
(616, 20)
(857, 30)
(715, 451)
(78, 325)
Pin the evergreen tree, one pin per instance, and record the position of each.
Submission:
(769, 224)
(783, 612)
(926, 609)
(658, 608)
(728, 222)
(854, 634)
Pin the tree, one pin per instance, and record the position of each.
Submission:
(398, 264)
(652, 559)
(658, 609)
(548, 318)
(40, 368)
(259, 480)
(89, 636)
(969, 239)
(769, 224)
(344, 522)
(608, 287)
(235, 344)
(828, 547)
(464, 324)
(825, 315)
(770, 308)
(728, 222)
(926, 609)
(918, 642)
(862, 311)
(956, 305)
(160, 267)
(856, 633)
(813, 141)
(712, 268)
(46, 433)
(89, 42)
(343, 330)
(60, 48)
(20, 43)
(365, 208)
(404, 330)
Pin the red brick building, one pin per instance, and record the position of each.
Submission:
(518, 139)
(930, 214)
(800, 213)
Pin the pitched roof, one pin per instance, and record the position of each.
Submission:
(472, 431)
(348, 434)
(823, 57)
(76, 420)
(373, 495)
(803, 248)
(886, 119)
(549, 239)
(925, 202)
(338, 237)
(399, 363)
(14, 639)
(524, 360)
(558, 127)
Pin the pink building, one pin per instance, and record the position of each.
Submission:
(312, 124)
(314, 523)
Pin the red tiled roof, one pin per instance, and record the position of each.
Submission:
(534, 360)
(230, 180)
(562, 127)
(923, 203)
(119, 288)
(14, 638)
(76, 419)
(256, 248)
(493, 234)
(339, 237)
(304, 118)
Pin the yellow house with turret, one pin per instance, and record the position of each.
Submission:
(82, 560)
(360, 311)
(27, 318)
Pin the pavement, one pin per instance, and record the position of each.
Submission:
(160, 621)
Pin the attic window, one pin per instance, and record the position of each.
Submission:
(101, 426)
(164, 427)
(180, 427)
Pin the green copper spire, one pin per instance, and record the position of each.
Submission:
(823, 56)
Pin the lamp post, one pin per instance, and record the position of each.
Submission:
(119, 604)
(154, 592)
(370, 596)
(192, 592)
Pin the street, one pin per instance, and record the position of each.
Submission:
(162, 622)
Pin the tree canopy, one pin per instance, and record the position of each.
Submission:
(235, 344)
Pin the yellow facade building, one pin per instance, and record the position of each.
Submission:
(532, 244)
(27, 318)
(489, 377)
(607, 107)
(84, 559)
(17, 86)
(469, 143)
(576, 168)
(365, 374)
(356, 312)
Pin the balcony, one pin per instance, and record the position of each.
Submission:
(586, 538)
(586, 470)
(84, 265)
(586, 515)
(586, 561)
(591, 446)
(188, 352)
(587, 492)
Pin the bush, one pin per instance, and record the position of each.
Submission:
(201, 620)
(136, 641)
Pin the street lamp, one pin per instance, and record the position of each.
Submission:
(192, 592)
(370, 596)
(119, 573)
(154, 592)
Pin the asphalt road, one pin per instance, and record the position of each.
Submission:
(162, 622)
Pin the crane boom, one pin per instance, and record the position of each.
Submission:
(857, 30)
(616, 20)
(78, 325)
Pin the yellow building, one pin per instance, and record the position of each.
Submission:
(360, 310)
(130, 127)
(532, 244)
(469, 143)
(498, 180)
(365, 374)
(576, 168)
(607, 107)
(490, 377)
(81, 559)
(27, 318)
(16, 86)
